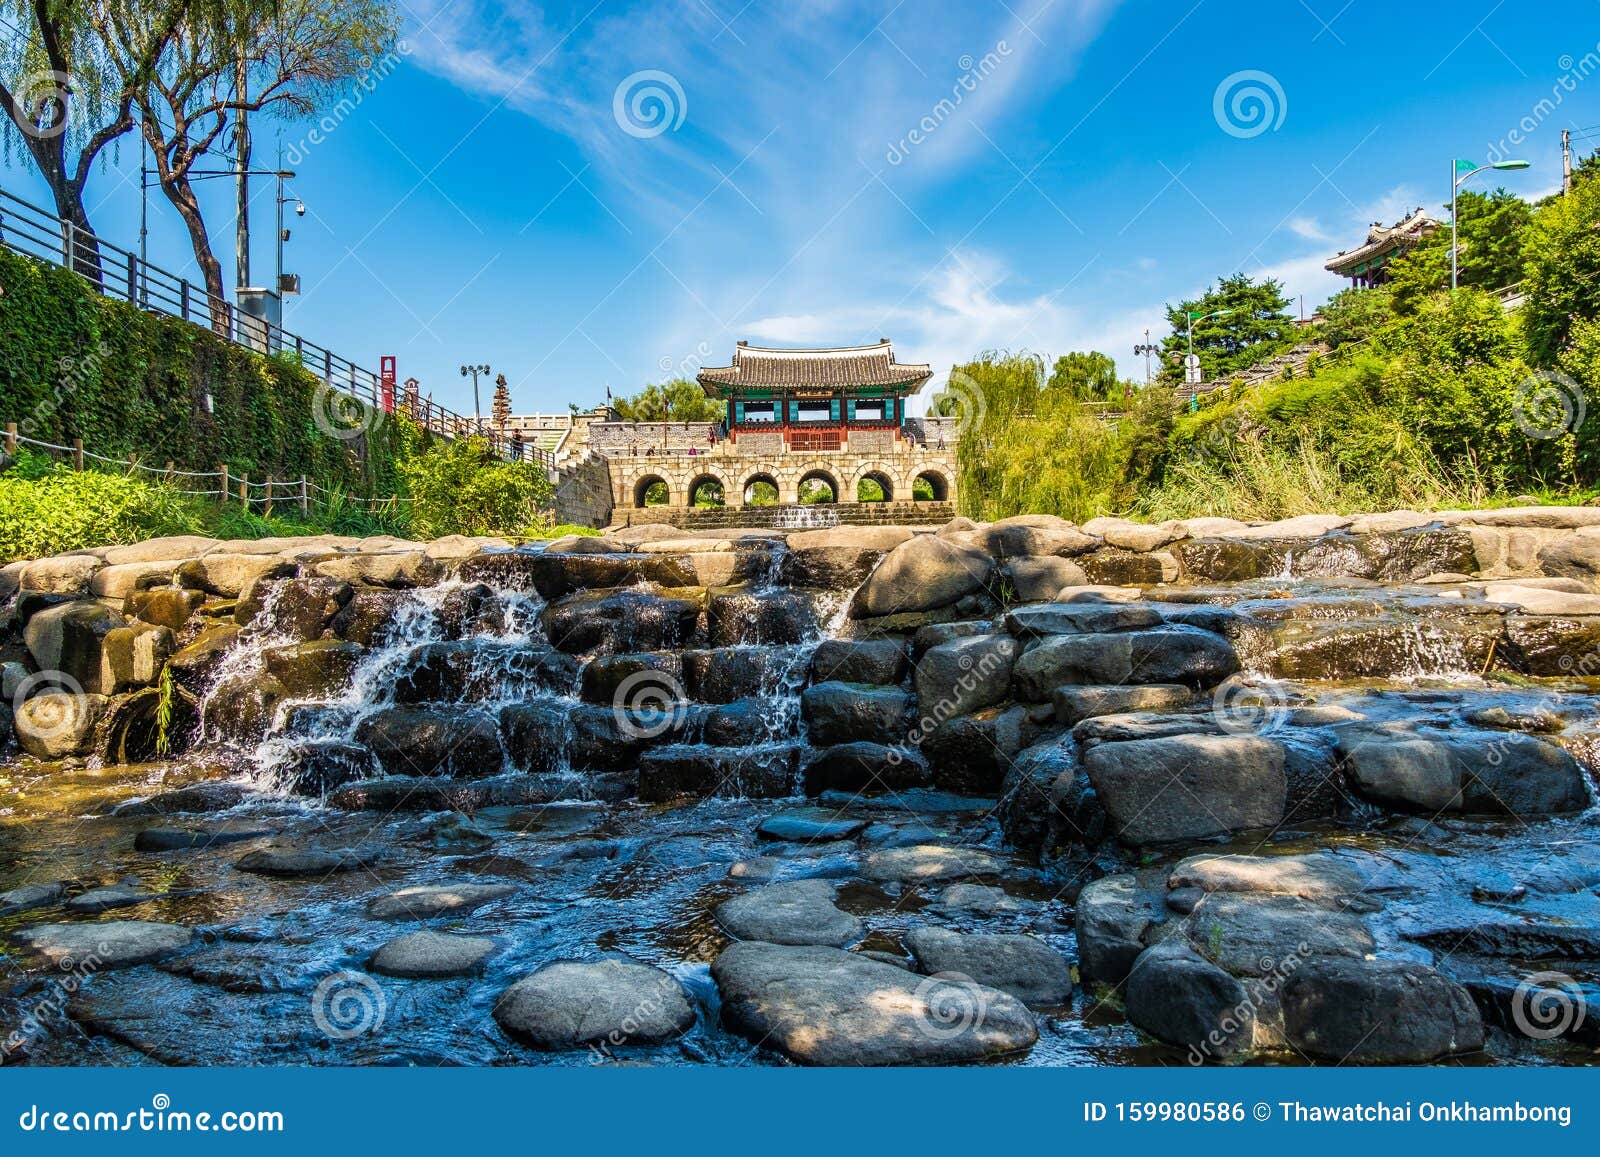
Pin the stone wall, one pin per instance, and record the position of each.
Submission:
(734, 469)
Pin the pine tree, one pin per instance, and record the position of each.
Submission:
(1254, 325)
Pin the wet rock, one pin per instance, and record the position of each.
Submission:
(230, 575)
(821, 1006)
(57, 724)
(799, 912)
(634, 680)
(1036, 579)
(982, 900)
(929, 864)
(610, 1003)
(70, 638)
(425, 901)
(1084, 618)
(475, 671)
(810, 825)
(837, 712)
(183, 839)
(1129, 568)
(1440, 643)
(770, 617)
(971, 754)
(1188, 787)
(923, 573)
(1075, 704)
(1378, 1012)
(123, 895)
(840, 557)
(1179, 997)
(315, 669)
(1257, 935)
(1482, 772)
(433, 741)
(1114, 917)
(693, 770)
(133, 656)
(30, 896)
(195, 665)
(876, 661)
(294, 860)
(964, 675)
(196, 798)
(1185, 655)
(729, 673)
(430, 955)
(1553, 645)
(320, 766)
(370, 617)
(627, 620)
(1025, 966)
(112, 944)
(292, 608)
(241, 707)
(863, 767)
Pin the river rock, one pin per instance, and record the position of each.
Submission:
(759, 617)
(650, 680)
(1258, 935)
(864, 767)
(929, 864)
(821, 1006)
(840, 557)
(1179, 997)
(1378, 1012)
(798, 912)
(1075, 704)
(970, 754)
(810, 825)
(1477, 772)
(70, 638)
(294, 608)
(1114, 918)
(876, 661)
(611, 1003)
(57, 724)
(433, 741)
(845, 712)
(230, 575)
(315, 669)
(1025, 966)
(1189, 787)
(111, 944)
(682, 769)
(122, 895)
(119, 582)
(921, 574)
(30, 896)
(175, 839)
(401, 569)
(68, 574)
(293, 860)
(1035, 579)
(425, 901)
(1321, 876)
(1129, 568)
(1032, 535)
(964, 675)
(626, 620)
(429, 955)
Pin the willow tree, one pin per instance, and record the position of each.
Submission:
(284, 58)
(67, 93)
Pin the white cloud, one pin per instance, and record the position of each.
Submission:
(1308, 227)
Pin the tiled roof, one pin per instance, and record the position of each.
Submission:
(1381, 239)
(755, 367)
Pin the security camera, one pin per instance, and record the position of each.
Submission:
(299, 208)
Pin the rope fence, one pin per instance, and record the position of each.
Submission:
(231, 486)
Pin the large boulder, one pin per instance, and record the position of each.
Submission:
(964, 675)
(683, 769)
(625, 620)
(879, 661)
(57, 724)
(1075, 704)
(840, 557)
(118, 582)
(921, 574)
(1378, 1012)
(970, 754)
(114, 944)
(821, 1006)
(605, 1003)
(1114, 918)
(929, 864)
(1025, 966)
(1176, 654)
(297, 608)
(761, 617)
(424, 741)
(847, 712)
(1037, 579)
(229, 575)
(1462, 770)
(796, 912)
(400, 568)
(870, 768)
(67, 574)
(1025, 535)
(430, 955)
(1189, 787)
(1177, 996)
(70, 638)
(313, 670)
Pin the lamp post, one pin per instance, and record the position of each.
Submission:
(477, 410)
(283, 234)
(1459, 172)
(1146, 348)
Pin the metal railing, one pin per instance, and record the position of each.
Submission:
(33, 232)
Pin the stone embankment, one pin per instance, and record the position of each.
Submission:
(1311, 789)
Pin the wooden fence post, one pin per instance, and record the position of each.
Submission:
(77, 453)
(305, 498)
(244, 489)
(11, 437)
(133, 464)
(266, 510)
(223, 469)
(171, 478)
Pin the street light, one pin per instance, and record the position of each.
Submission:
(477, 410)
(1146, 348)
(1459, 171)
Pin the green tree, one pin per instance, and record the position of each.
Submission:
(681, 400)
(1354, 315)
(1257, 326)
(460, 487)
(1562, 277)
(1086, 377)
(1493, 231)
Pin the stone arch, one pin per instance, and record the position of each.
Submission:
(760, 499)
(819, 473)
(881, 479)
(641, 489)
(937, 482)
(691, 492)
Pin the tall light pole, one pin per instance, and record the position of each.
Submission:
(1146, 348)
(1459, 172)
(477, 410)
(283, 234)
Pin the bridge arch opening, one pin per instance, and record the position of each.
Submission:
(761, 490)
(817, 487)
(651, 490)
(874, 486)
(930, 486)
(707, 491)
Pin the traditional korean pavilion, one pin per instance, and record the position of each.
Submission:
(1367, 266)
(814, 396)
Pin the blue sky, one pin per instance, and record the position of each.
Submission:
(486, 200)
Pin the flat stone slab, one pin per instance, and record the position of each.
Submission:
(113, 944)
(428, 955)
(121, 895)
(928, 864)
(983, 900)
(1317, 876)
(425, 901)
(798, 912)
(1025, 966)
(821, 1006)
(282, 860)
(175, 839)
(810, 824)
(31, 896)
(611, 1003)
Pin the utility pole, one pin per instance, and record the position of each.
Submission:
(474, 371)
(241, 142)
(1566, 162)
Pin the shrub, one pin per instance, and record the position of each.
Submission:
(461, 488)
(65, 511)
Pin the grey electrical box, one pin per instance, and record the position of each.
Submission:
(259, 319)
